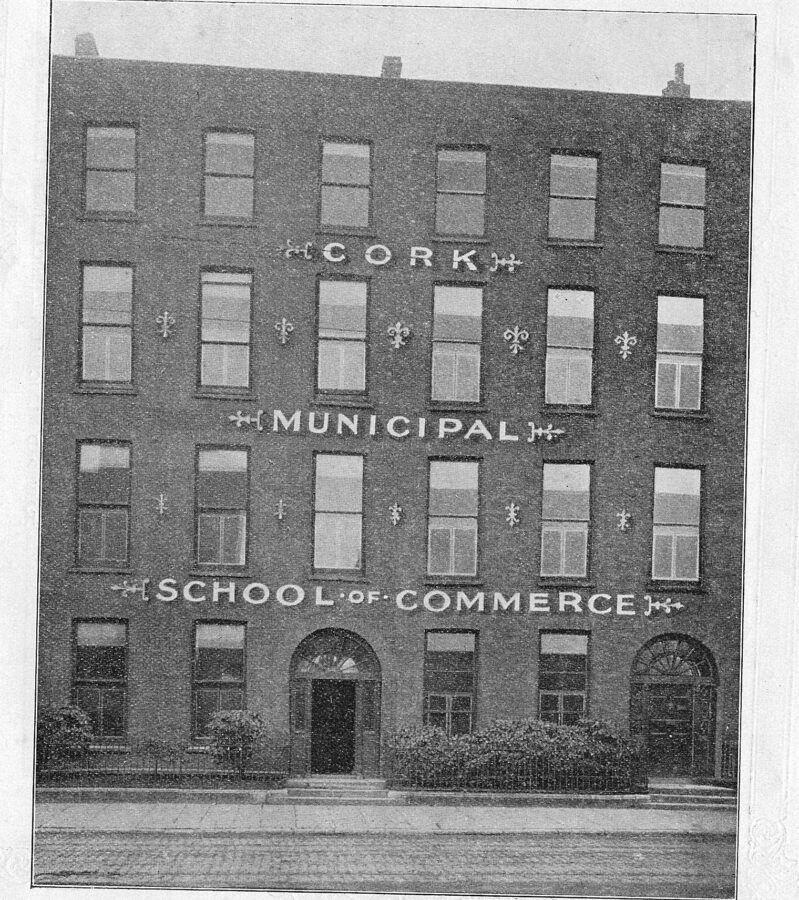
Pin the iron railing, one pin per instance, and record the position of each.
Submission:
(404, 772)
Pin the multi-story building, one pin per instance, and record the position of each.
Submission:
(374, 402)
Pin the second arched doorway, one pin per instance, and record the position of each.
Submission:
(335, 705)
(673, 705)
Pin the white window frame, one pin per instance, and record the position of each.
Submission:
(676, 531)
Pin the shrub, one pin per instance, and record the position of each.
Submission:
(157, 750)
(235, 736)
(63, 734)
(516, 755)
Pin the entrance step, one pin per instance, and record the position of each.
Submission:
(336, 789)
(691, 796)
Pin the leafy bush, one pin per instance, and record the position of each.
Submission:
(235, 736)
(157, 750)
(63, 734)
(517, 755)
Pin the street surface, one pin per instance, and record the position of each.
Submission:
(615, 864)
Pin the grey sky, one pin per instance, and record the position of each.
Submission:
(603, 51)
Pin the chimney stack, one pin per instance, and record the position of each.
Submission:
(392, 67)
(678, 87)
(86, 46)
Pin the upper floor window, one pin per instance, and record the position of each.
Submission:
(565, 514)
(461, 192)
(570, 343)
(452, 518)
(346, 181)
(450, 680)
(225, 329)
(222, 501)
(229, 175)
(99, 683)
(103, 504)
(678, 384)
(682, 205)
(572, 197)
(110, 169)
(563, 677)
(457, 333)
(338, 504)
(106, 323)
(218, 672)
(675, 539)
(342, 336)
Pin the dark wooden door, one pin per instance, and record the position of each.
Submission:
(332, 726)
(670, 729)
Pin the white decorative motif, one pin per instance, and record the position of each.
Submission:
(395, 511)
(512, 517)
(771, 871)
(666, 605)
(255, 420)
(624, 520)
(295, 251)
(283, 329)
(550, 433)
(161, 501)
(399, 334)
(517, 337)
(509, 263)
(165, 323)
(14, 867)
(626, 341)
(280, 512)
(127, 588)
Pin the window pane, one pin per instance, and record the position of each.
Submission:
(573, 644)
(461, 170)
(580, 365)
(342, 309)
(231, 197)
(454, 641)
(101, 662)
(225, 365)
(113, 714)
(104, 473)
(666, 385)
(572, 176)
(347, 206)
(457, 313)
(226, 313)
(467, 372)
(575, 552)
(219, 636)
(680, 324)
(106, 354)
(337, 541)
(557, 377)
(220, 664)
(110, 148)
(222, 479)
(465, 549)
(339, 481)
(461, 723)
(222, 538)
(677, 496)
(87, 697)
(551, 551)
(690, 385)
(443, 372)
(681, 227)
(209, 538)
(439, 550)
(661, 555)
(205, 705)
(110, 191)
(229, 154)
(572, 219)
(453, 488)
(342, 365)
(107, 295)
(686, 557)
(460, 214)
(682, 184)
(234, 539)
(570, 319)
(566, 492)
(101, 634)
(345, 163)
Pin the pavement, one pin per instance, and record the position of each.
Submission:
(215, 815)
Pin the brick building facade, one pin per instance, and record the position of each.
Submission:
(372, 401)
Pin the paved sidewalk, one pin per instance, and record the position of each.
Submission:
(372, 819)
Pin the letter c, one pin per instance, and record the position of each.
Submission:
(328, 254)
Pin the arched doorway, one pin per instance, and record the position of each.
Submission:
(673, 705)
(335, 705)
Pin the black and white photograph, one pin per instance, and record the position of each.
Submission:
(394, 456)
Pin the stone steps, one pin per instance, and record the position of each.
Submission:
(336, 789)
(691, 796)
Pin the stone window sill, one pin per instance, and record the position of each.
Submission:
(106, 389)
(682, 414)
(594, 245)
(99, 570)
(690, 251)
(350, 400)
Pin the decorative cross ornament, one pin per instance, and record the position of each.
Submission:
(399, 334)
(624, 520)
(165, 323)
(512, 517)
(295, 251)
(132, 587)
(517, 338)
(626, 341)
(550, 433)
(161, 501)
(255, 420)
(280, 512)
(509, 263)
(283, 329)
(395, 511)
(666, 605)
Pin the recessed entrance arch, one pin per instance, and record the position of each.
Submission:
(673, 704)
(334, 681)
